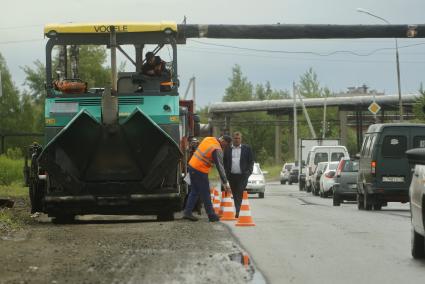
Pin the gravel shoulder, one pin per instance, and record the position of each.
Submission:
(111, 249)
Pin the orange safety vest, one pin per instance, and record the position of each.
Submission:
(202, 158)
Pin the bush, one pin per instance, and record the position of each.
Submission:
(14, 153)
(10, 170)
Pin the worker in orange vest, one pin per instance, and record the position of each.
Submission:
(209, 152)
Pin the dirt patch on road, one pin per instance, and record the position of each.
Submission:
(102, 249)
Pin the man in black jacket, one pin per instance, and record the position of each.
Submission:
(238, 164)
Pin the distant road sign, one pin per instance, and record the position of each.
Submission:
(374, 108)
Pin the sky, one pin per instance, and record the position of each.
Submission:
(22, 42)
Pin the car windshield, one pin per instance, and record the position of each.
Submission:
(256, 170)
(320, 157)
(288, 167)
(351, 166)
(337, 156)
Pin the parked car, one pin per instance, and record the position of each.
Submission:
(345, 187)
(315, 180)
(285, 172)
(417, 199)
(293, 175)
(319, 154)
(256, 181)
(384, 173)
(327, 179)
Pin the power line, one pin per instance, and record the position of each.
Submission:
(20, 27)
(222, 52)
(305, 52)
(19, 41)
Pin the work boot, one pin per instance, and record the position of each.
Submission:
(213, 218)
(190, 217)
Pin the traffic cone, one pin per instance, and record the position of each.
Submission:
(228, 209)
(223, 195)
(245, 218)
(212, 190)
(216, 202)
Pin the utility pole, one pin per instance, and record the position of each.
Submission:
(400, 102)
(295, 122)
(324, 119)
(1, 86)
(74, 58)
(313, 133)
(194, 93)
(192, 83)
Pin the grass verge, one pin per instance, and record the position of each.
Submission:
(10, 170)
(15, 190)
(12, 219)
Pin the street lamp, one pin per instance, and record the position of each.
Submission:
(360, 10)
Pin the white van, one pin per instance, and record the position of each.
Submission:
(319, 154)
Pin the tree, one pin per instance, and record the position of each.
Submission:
(92, 66)
(35, 79)
(92, 69)
(9, 101)
(240, 88)
(309, 85)
(419, 106)
(267, 93)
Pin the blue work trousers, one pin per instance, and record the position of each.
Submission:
(200, 186)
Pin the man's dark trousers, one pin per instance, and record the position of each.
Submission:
(238, 184)
(200, 186)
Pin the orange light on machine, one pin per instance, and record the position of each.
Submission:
(166, 86)
(373, 167)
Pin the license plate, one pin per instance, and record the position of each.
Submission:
(353, 186)
(392, 179)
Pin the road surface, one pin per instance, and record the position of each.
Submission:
(300, 238)
(128, 249)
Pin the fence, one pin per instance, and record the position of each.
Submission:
(3, 137)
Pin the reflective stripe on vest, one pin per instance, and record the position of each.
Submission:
(202, 158)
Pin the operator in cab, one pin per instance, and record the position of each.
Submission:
(154, 65)
(209, 152)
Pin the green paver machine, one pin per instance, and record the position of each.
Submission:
(118, 149)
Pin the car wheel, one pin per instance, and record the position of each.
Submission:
(360, 204)
(418, 245)
(282, 182)
(63, 219)
(367, 204)
(301, 186)
(261, 195)
(336, 200)
(290, 182)
(320, 193)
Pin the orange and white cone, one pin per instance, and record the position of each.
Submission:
(223, 196)
(212, 190)
(228, 209)
(216, 202)
(245, 218)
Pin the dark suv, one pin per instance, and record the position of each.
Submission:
(384, 172)
(345, 187)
